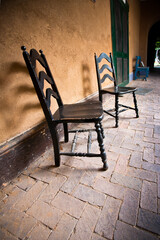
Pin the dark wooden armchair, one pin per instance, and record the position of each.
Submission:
(115, 90)
(85, 112)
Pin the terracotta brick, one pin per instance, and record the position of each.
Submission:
(151, 167)
(64, 228)
(157, 116)
(108, 139)
(5, 235)
(17, 223)
(52, 189)
(142, 174)
(130, 144)
(149, 221)
(40, 232)
(127, 181)
(68, 204)
(136, 159)
(129, 208)
(89, 195)
(72, 181)
(112, 155)
(118, 139)
(144, 144)
(97, 237)
(11, 200)
(157, 129)
(148, 155)
(111, 166)
(149, 196)
(76, 162)
(121, 165)
(63, 170)
(43, 212)
(25, 182)
(120, 150)
(157, 150)
(43, 175)
(107, 221)
(159, 185)
(111, 189)
(158, 205)
(139, 135)
(151, 140)
(128, 232)
(86, 223)
(148, 132)
(29, 197)
(157, 160)
(2, 196)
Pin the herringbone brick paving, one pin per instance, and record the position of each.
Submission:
(77, 200)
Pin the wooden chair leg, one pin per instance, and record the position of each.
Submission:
(102, 131)
(135, 104)
(55, 141)
(66, 136)
(101, 145)
(116, 110)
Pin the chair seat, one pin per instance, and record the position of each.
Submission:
(119, 90)
(79, 112)
(143, 69)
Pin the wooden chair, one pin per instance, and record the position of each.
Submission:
(85, 112)
(115, 90)
(140, 70)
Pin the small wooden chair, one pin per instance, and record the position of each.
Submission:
(115, 90)
(85, 112)
(140, 70)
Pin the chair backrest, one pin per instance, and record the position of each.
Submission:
(108, 66)
(138, 61)
(38, 79)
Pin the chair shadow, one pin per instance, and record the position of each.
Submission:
(9, 78)
(86, 80)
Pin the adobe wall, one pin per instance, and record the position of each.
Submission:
(69, 32)
(134, 31)
(150, 14)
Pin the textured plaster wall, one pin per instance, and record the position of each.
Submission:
(150, 14)
(134, 31)
(69, 32)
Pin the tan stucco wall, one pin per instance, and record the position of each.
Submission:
(134, 31)
(150, 14)
(69, 32)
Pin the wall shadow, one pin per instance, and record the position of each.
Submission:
(11, 76)
(86, 80)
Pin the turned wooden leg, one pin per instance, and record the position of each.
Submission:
(102, 131)
(135, 104)
(101, 146)
(55, 141)
(116, 110)
(66, 136)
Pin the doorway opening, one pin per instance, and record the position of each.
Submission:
(153, 54)
(157, 56)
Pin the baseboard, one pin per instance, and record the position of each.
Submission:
(131, 76)
(18, 153)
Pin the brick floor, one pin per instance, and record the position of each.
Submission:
(77, 200)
